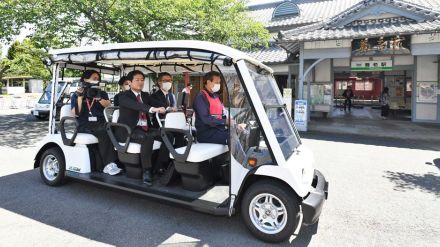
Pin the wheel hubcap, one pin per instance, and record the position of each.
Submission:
(51, 167)
(268, 213)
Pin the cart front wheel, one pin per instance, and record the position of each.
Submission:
(270, 211)
(52, 167)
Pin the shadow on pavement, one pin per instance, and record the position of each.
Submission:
(122, 219)
(369, 140)
(21, 130)
(429, 182)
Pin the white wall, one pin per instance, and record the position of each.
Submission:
(323, 71)
(427, 71)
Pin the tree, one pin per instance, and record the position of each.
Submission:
(24, 59)
(61, 23)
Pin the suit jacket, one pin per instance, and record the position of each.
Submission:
(129, 107)
(160, 100)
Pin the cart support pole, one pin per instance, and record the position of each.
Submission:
(52, 114)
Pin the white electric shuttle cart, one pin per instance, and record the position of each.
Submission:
(265, 173)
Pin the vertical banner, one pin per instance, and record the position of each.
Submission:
(301, 115)
(287, 97)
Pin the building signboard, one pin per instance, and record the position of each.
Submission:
(425, 38)
(328, 44)
(394, 45)
(301, 115)
(383, 65)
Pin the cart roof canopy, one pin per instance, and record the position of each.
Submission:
(152, 57)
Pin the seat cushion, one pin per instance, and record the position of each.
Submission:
(83, 138)
(203, 151)
(135, 148)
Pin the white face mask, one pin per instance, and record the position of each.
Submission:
(126, 87)
(166, 86)
(90, 81)
(216, 88)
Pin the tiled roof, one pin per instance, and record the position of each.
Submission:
(311, 11)
(272, 54)
(368, 30)
(358, 29)
(431, 4)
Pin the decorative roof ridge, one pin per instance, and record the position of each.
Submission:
(367, 3)
(330, 22)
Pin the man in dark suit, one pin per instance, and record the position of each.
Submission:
(163, 97)
(135, 106)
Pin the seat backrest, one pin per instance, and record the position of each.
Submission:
(66, 111)
(115, 116)
(175, 120)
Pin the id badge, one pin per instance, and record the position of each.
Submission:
(143, 123)
(93, 119)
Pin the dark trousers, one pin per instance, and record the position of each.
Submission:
(347, 103)
(106, 151)
(213, 135)
(385, 110)
(146, 139)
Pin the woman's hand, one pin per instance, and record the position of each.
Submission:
(80, 92)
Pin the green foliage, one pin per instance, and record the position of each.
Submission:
(23, 59)
(62, 23)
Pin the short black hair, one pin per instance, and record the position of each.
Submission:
(131, 75)
(210, 75)
(161, 75)
(121, 81)
(88, 73)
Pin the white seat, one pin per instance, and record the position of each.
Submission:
(83, 138)
(203, 151)
(135, 148)
(176, 120)
(115, 116)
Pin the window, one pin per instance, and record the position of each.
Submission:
(286, 9)
(363, 86)
(247, 140)
(280, 120)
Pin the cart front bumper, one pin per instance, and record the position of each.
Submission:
(313, 203)
(41, 113)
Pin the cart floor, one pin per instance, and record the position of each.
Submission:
(211, 200)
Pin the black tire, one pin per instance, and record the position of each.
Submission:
(285, 195)
(42, 117)
(54, 154)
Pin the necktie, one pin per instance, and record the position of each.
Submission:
(142, 115)
(170, 100)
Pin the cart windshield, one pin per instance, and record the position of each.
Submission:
(276, 111)
(45, 98)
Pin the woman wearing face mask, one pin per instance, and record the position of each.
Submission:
(210, 116)
(124, 86)
(88, 105)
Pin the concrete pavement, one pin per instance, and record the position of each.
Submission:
(383, 192)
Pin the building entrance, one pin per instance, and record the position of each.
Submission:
(367, 89)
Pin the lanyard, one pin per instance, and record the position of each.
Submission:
(89, 106)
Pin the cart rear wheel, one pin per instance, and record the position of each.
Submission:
(270, 211)
(52, 167)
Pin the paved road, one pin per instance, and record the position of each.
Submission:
(383, 192)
